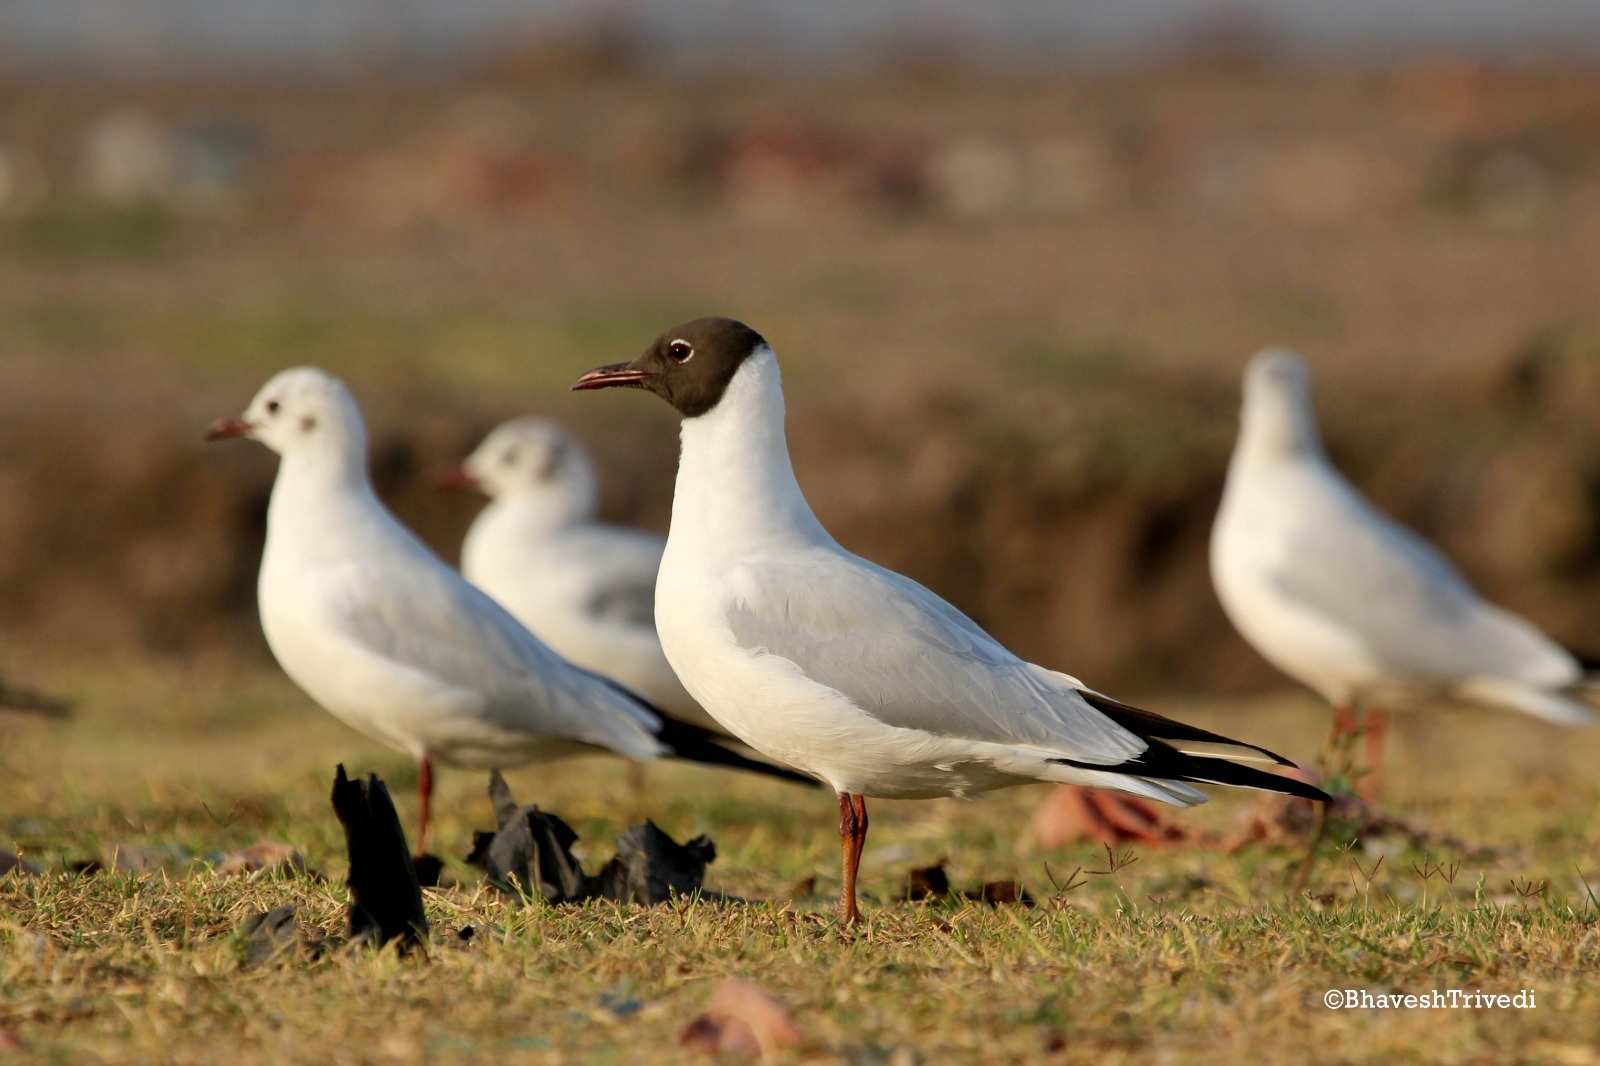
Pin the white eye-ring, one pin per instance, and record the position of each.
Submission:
(680, 351)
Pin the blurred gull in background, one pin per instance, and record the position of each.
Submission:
(390, 640)
(586, 588)
(1347, 601)
(850, 672)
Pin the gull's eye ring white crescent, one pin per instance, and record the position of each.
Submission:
(681, 351)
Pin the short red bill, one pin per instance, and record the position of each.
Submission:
(228, 428)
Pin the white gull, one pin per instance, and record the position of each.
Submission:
(396, 644)
(1347, 601)
(852, 673)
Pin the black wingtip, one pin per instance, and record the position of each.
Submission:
(693, 743)
(1589, 664)
(1163, 761)
(1223, 772)
(698, 744)
(1153, 726)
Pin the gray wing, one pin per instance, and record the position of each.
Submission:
(419, 614)
(911, 660)
(624, 563)
(631, 604)
(1403, 600)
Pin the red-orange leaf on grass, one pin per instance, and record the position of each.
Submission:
(741, 1022)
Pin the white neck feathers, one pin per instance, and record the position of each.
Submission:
(735, 480)
(1278, 422)
(322, 484)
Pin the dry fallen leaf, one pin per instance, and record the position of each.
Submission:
(741, 1022)
(531, 855)
(999, 893)
(263, 858)
(270, 935)
(385, 899)
(1070, 815)
(931, 882)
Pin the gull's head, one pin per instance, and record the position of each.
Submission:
(689, 366)
(1277, 402)
(1277, 372)
(528, 458)
(299, 410)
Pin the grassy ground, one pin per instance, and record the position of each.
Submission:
(1170, 954)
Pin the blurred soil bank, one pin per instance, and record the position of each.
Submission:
(1011, 312)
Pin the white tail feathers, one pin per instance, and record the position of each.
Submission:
(1541, 703)
(1159, 789)
(1045, 766)
(1230, 752)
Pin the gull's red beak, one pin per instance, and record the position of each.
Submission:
(606, 377)
(454, 479)
(228, 428)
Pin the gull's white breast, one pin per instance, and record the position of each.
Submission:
(1252, 548)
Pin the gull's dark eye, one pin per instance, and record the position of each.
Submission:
(552, 463)
(272, 407)
(680, 351)
(509, 458)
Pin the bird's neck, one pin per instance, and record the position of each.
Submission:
(1277, 427)
(736, 484)
(511, 524)
(318, 483)
(546, 509)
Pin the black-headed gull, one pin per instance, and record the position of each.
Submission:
(852, 673)
(1347, 601)
(585, 588)
(393, 642)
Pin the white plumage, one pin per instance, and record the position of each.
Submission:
(1347, 601)
(827, 662)
(393, 642)
(847, 671)
(586, 588)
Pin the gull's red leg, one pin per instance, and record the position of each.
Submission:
(1344, 720)
(1339, 757)
(852, 837)
(424, 801)
(1377, 729)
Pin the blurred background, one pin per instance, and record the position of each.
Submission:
(1013, 257)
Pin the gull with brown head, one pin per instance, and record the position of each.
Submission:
(847, 671)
